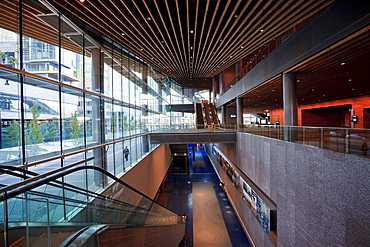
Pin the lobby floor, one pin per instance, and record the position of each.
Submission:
(196, 193)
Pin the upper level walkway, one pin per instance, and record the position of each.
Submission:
(344, 140)
(185, 136)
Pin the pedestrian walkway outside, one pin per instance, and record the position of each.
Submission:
(198, 195)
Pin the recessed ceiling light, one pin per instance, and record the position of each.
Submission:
(123, 34)
(349, 79)
(235, 16)
(191, 31)
(82, 1)
(343, 63)
(149, 18)
(261, 30)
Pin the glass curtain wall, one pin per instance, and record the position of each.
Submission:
(70, 100)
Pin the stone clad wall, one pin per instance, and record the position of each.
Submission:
(322, 197)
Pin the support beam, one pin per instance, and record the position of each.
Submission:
(239, 111)
(290, 102)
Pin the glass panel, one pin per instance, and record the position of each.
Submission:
(108, 120)
(46, 166)
(41, 110)
(108, 75)
(109, 152)
(117, 121)
(10, 118)
(127, 153)
(118, 158)
(73, 120)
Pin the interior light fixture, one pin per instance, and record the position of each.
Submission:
(191, 31)
(343, 63)
(149, 18)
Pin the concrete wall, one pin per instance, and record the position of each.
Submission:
(322, 197)
(148, 175)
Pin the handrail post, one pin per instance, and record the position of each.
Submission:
(27, 226)
(347, 141)
(48, 220)
(322, 138)
(6, 220)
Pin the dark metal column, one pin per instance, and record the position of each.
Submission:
(290, 100)
(239, 111)
(97, 112)
(290, 104)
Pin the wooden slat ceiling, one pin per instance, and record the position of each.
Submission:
(338, 73)
(190, 40)
(33, 27)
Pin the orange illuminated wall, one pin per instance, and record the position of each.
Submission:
(360, 106)
(228, 75)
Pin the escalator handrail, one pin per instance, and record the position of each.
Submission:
(44, 175)
(26, 185)
(19, 169)
(60, 184)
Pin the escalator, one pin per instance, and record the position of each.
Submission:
(206, 115)
(199, 118)
(213, 112)
(55, 210)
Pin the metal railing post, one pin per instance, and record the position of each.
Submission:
(347, 141)
(48, 221)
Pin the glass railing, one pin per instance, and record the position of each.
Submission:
(344, 140)
(46, 210)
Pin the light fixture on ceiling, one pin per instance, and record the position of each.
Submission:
(343, 63)
(191, 31)
(262, 30)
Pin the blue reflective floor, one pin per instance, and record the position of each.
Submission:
(178, 191)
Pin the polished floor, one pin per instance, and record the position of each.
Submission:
(195, 192)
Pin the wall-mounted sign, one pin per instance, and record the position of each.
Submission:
(264, 214)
